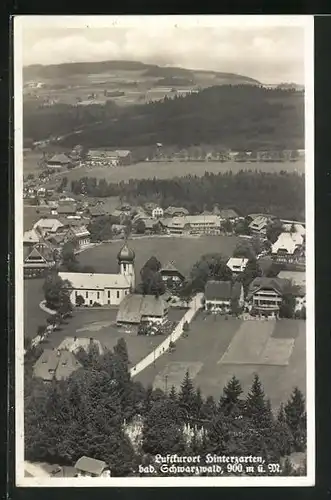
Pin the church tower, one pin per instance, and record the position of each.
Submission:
(125, 259)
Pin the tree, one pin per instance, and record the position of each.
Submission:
(274, 229)
(244, 249)
(80, 301)
(151, 279)
(210, 266)
(251, 271)
(69, 260)
(230, 398)
(227, 226)
(283, 433)
(296, 419)
(287, 306)
(140, 227)
(186, 398)
(242, 227)
(122, 351)
(56, 291)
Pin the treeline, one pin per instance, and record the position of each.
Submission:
(92, 412)
(282, 195)
(242, 117)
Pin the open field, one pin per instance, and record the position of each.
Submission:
(182, 251)
(167, 170)
(280, 363)
(33, 315)
(100, 324)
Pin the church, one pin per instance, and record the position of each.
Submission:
(103, 289)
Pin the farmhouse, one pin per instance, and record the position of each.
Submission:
(74, 344)
(228, 214)
(171, 276)
(103, 289)
(237, 264)
(220, 296)
(37, 258)
(54, 364)
(259, 224)
(80, 235)
(90, 467)
(117, 157)
(58, 161)
(67, 209)
(175, 212)
(48, 226)
(266, 294)
(136, 308)
(288, 248)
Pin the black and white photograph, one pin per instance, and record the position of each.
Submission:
(164, 241)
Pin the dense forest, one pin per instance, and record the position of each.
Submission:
(282, 195)
(241, 117)
(92, 412)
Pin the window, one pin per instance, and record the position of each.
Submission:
(124, 267)
(86, 295)
(98, 295)
(118, 294)
(108, 294)
(108, 301)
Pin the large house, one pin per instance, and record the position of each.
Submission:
(289, 248)
(55, 364)
(259, 225)
(38, 254)
(193, 224)
(103, 289)
(48, 227)
(228, 214)
(81, 235)
(266, 295)
(237, 264)
(137, 308)
(221, 295)
(171, 276)
(113, 158)
(58, 161)
(175, 212)
(157, 212)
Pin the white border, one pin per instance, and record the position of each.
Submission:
(307, 22)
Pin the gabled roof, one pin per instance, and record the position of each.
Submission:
(218, 290)
(287, 242)
(173, 210)
(55, 364)
(31, 236)
(74, 344)
(90, 465)
(95, 281)
(60, 158)
(237, 264)
(259, 223)
(228, 213)
(276, 284)
(79, 231)
(170, 268)
(47, 224)
(67, 209)
(133, 307)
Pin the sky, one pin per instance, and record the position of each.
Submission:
(269, 53)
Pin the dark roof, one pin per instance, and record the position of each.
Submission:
(55, 364)
(91, 465)
(170, 268)
(218, 290)
(126, 254)
(228, 213)
(277, 284)
(67, 209)
(134, 307)
(60, 158)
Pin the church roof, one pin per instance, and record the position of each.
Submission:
(95, 281)
(126, 254)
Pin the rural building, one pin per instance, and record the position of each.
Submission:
(75, 344)
(48, 226)
(288, 248)
(136, 308)
(259, 224)
(193, 224)
(175, 212)
(103, 289)
(237, 264)
(157, 212)
(294, 227)
(54, 364)
(90, 467)
(228, 214)
(96, 211)
(113, 158)
(220, 295)
(80, 234)
(31, 237)
(67, 209)
(37, 258)
(58, 161)
(171, 275)
(266, 294)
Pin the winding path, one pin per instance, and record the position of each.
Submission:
(194, 306)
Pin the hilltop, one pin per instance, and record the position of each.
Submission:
(68, 70)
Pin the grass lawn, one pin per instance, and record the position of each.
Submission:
(200, 353)
(33, 315)
(30, 163)
(100, 324)
(183, 252)
(167, 170)
(30, 216)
